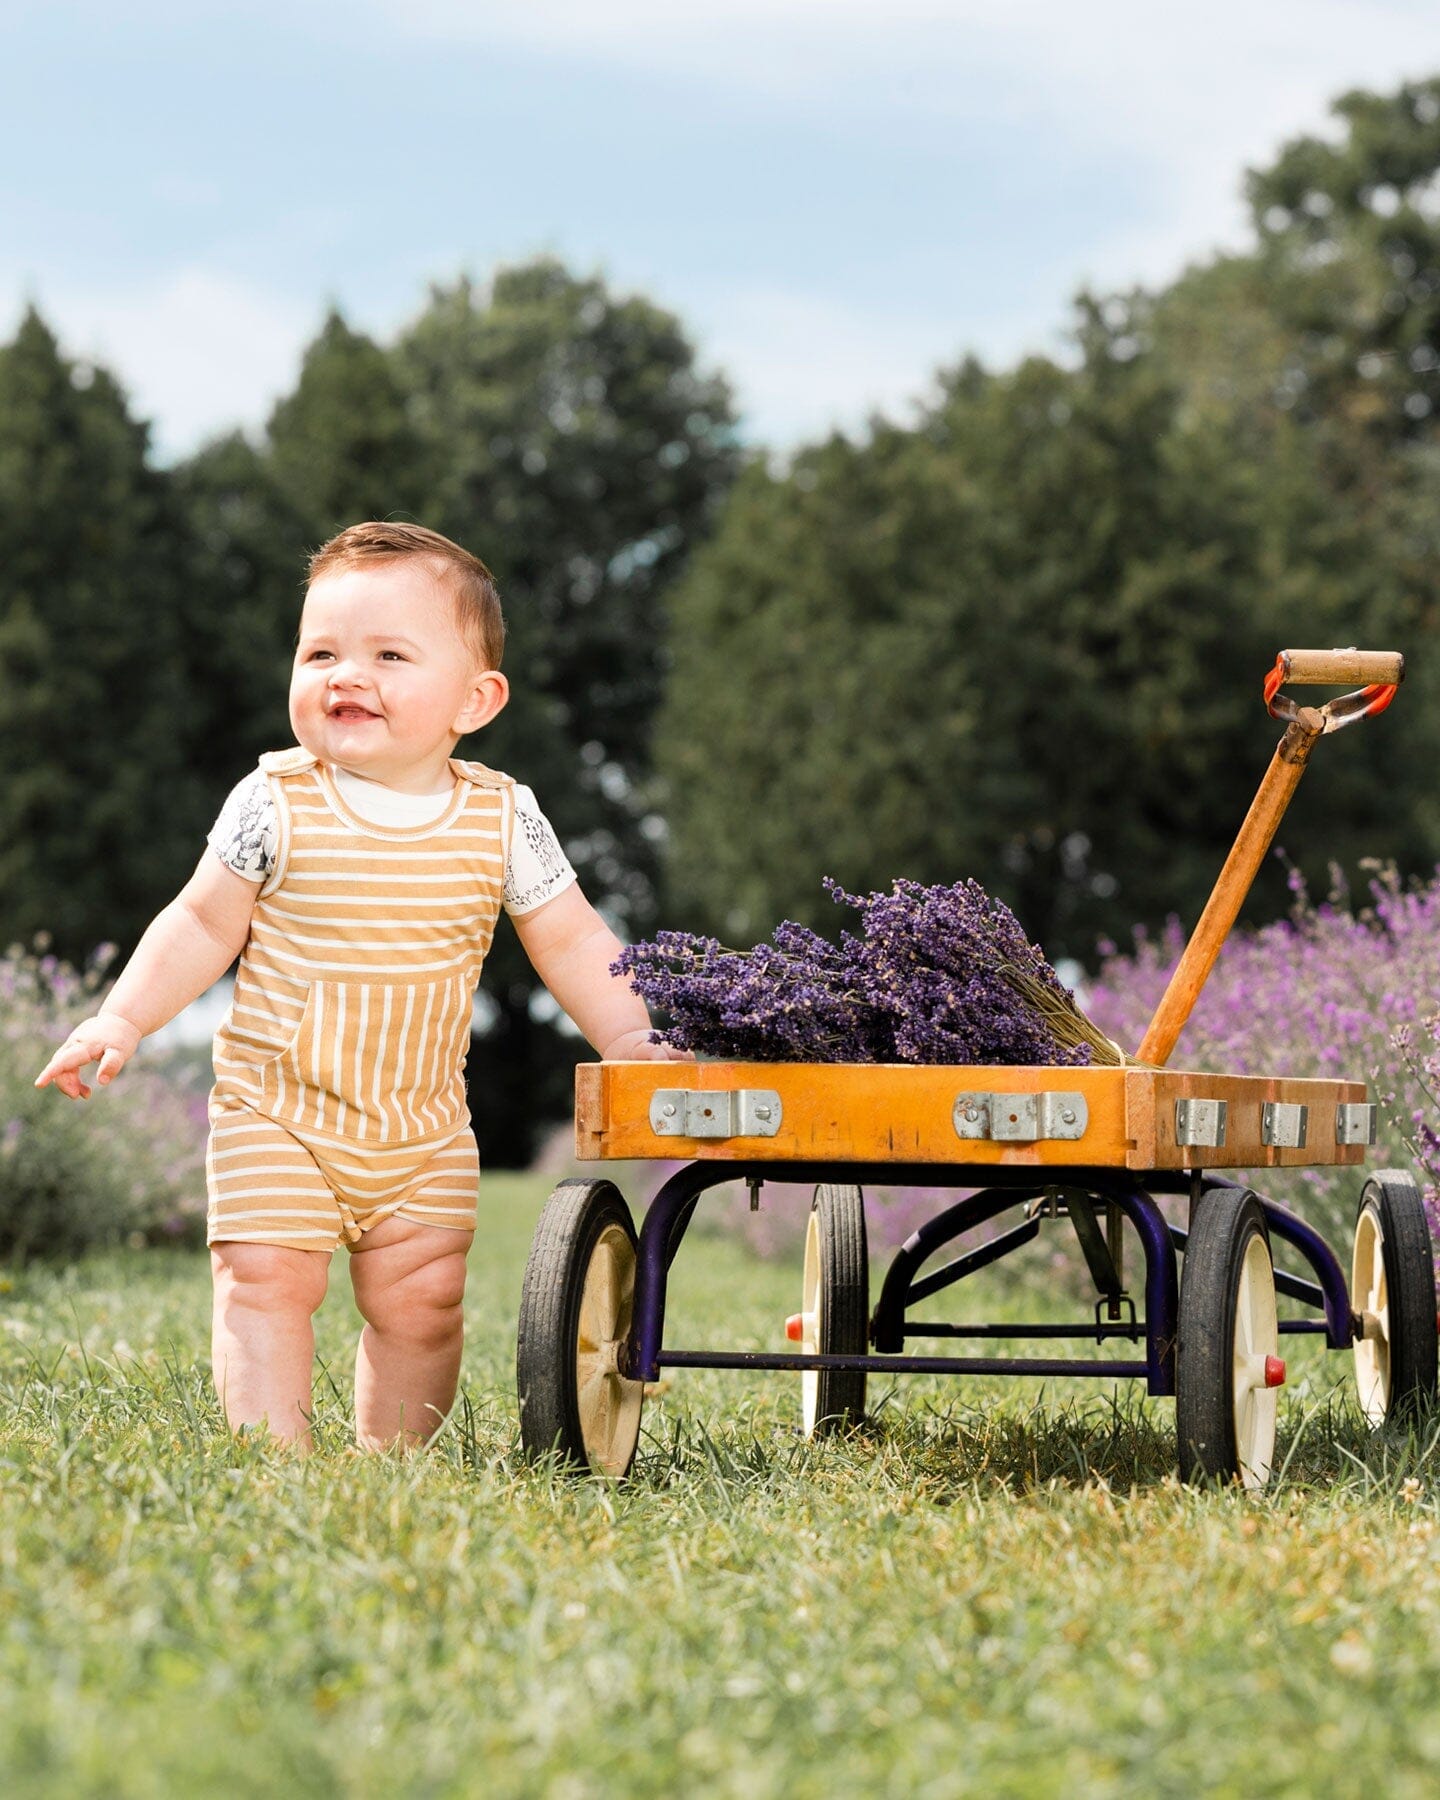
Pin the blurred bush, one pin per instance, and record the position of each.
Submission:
(126, 1166)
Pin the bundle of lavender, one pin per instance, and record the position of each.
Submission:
(936, 975)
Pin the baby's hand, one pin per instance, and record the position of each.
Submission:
(639, 1046)
(107, 1039)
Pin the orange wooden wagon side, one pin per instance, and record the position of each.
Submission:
(1097, 1147)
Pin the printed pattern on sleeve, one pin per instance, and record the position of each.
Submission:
(245, 834)
(538, 868)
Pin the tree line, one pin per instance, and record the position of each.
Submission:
(1018, 637)
(1023, 636)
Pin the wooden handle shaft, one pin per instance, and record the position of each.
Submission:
(1320, 668)
(1227, 896)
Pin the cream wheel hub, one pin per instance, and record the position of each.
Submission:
(609, 1403)
(1255, 1347)
(1372, 1301)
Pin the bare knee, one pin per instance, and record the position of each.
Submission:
(421, 1305)
(268, 1278)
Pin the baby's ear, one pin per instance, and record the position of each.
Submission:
(488, 693)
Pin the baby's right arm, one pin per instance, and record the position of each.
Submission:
(187, 948)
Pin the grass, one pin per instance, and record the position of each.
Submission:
(993, 1589)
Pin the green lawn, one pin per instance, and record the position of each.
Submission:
(996, 1589)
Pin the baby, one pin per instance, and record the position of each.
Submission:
(359, 879)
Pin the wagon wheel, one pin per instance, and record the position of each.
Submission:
(575, 1310)
(1392, 1291)
(1227, 1362)
(835, 1318)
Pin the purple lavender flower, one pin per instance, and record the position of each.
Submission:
(1346, 988)
(935, 975)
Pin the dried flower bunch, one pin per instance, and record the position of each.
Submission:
(935, 975)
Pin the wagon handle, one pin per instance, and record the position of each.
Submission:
(1381, 672)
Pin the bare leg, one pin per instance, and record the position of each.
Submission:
(263, 1342)
(409, 1285)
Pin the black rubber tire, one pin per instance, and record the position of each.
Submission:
(1394, 1203)
(838, 1215)
(576, 1215)
(1225, 1223)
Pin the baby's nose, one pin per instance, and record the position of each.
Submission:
(344, 674)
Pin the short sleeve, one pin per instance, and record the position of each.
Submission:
(538, 868)
(245, 835)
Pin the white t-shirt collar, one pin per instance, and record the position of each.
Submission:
(381, 805)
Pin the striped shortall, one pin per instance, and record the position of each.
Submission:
(339, 1093)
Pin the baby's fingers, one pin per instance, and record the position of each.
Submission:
(64, 1068)
(111, 1063)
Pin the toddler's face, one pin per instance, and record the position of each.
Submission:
(383, 682)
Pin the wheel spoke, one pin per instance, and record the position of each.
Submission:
(598, 1297)
(597, 1413)
(591, 1326)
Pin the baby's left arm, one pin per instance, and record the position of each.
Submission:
(572, 949)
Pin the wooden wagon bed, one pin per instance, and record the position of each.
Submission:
(1130, 1118)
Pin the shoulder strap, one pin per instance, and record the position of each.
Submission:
(274, 764)
(287, 762)
(479, 776)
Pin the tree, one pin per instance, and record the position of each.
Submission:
(576, 447)
(1103, 559)
(247, 545)
(99, 809)
(1350, 250)
(1024, 642)
(565, 435)
(343, 446)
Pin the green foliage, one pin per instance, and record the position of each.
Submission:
(583, 456)
(343, 447)
(123, 1167)
(576, 448)
(1350, 234)
(100, 812)
(1023, 640)
(246, 547)
(991, 1590)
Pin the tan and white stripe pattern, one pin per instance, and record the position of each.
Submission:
(351, 1015)
(269, 1186)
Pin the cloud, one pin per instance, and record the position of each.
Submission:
(804, 365)
(1172, 102)
(1194, 95)
(198, 353)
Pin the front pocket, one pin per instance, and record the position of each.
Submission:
(376, 1062)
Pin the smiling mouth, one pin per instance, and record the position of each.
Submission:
(347, 714)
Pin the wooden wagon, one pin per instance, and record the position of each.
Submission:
(1009, 1150)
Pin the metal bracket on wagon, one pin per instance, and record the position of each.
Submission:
(1354, 1124)
(1283, 1125)
(1021, 1118)
(1201, 1123)
(715, 1113)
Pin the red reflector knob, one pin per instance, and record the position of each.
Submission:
(1274, 1371)
(795, 1327)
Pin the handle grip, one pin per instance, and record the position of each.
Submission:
(1319, 668)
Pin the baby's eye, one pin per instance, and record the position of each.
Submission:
(391, 656)
(320, 656)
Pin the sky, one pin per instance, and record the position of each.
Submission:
(837, 197)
